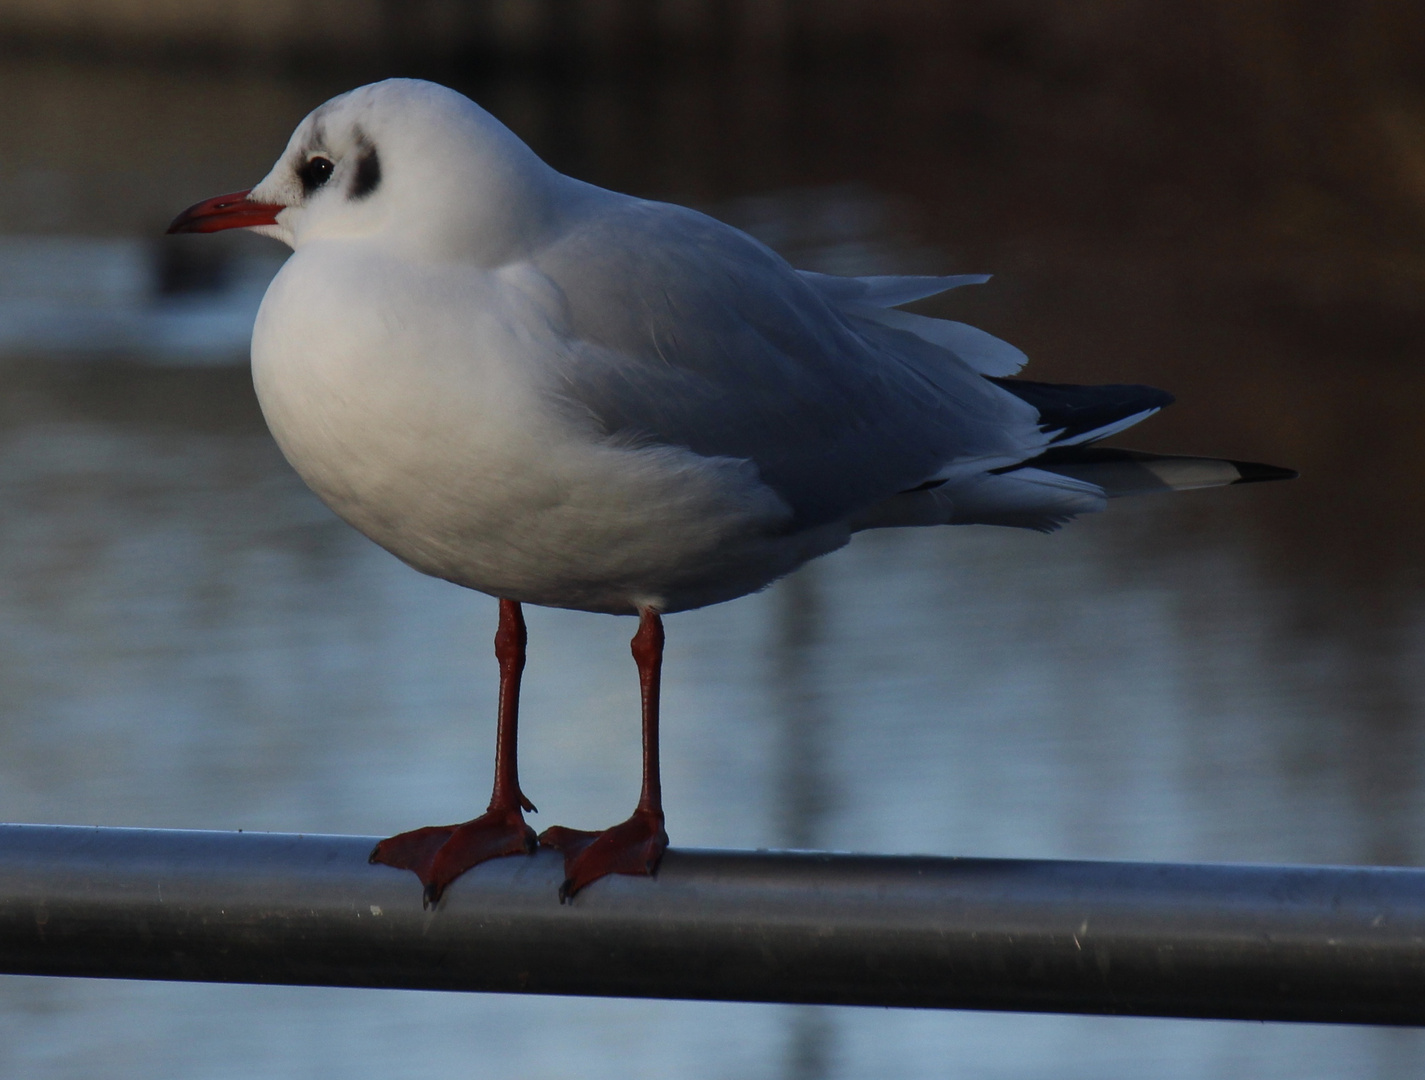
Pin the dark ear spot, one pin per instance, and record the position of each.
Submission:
(368, 173)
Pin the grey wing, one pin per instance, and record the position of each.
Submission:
(876, 298)
(684, 331)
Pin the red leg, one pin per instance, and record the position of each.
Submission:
(636, 845)
(438, 854)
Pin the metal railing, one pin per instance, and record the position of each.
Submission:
(1248, 942)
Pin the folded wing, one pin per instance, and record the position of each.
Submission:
(683, 331)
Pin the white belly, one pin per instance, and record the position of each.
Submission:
(434, 436)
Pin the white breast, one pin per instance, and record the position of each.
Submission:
(430, 425)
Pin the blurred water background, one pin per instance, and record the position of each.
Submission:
(1223, 199)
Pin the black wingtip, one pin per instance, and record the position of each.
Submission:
(1255, 473)
(1071, 411)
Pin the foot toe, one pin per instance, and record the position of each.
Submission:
(438, 854)
(632, 847)
(412, 850)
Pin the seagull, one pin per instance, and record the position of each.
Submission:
(557, 394)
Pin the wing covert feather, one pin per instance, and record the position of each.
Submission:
(684, 331)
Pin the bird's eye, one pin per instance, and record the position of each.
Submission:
(316, 172)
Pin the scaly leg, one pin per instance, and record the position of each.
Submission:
(634, 846)
(438, 854)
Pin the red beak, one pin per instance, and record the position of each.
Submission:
(235, 211)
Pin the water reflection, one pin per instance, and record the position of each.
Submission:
(803, 783)
(804, 787)
(190, 639)
(71, 296)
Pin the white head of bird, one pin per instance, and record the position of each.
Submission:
(421, 166)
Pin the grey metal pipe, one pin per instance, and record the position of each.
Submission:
(1246, 942)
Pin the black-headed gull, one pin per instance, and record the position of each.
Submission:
(561, 395)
